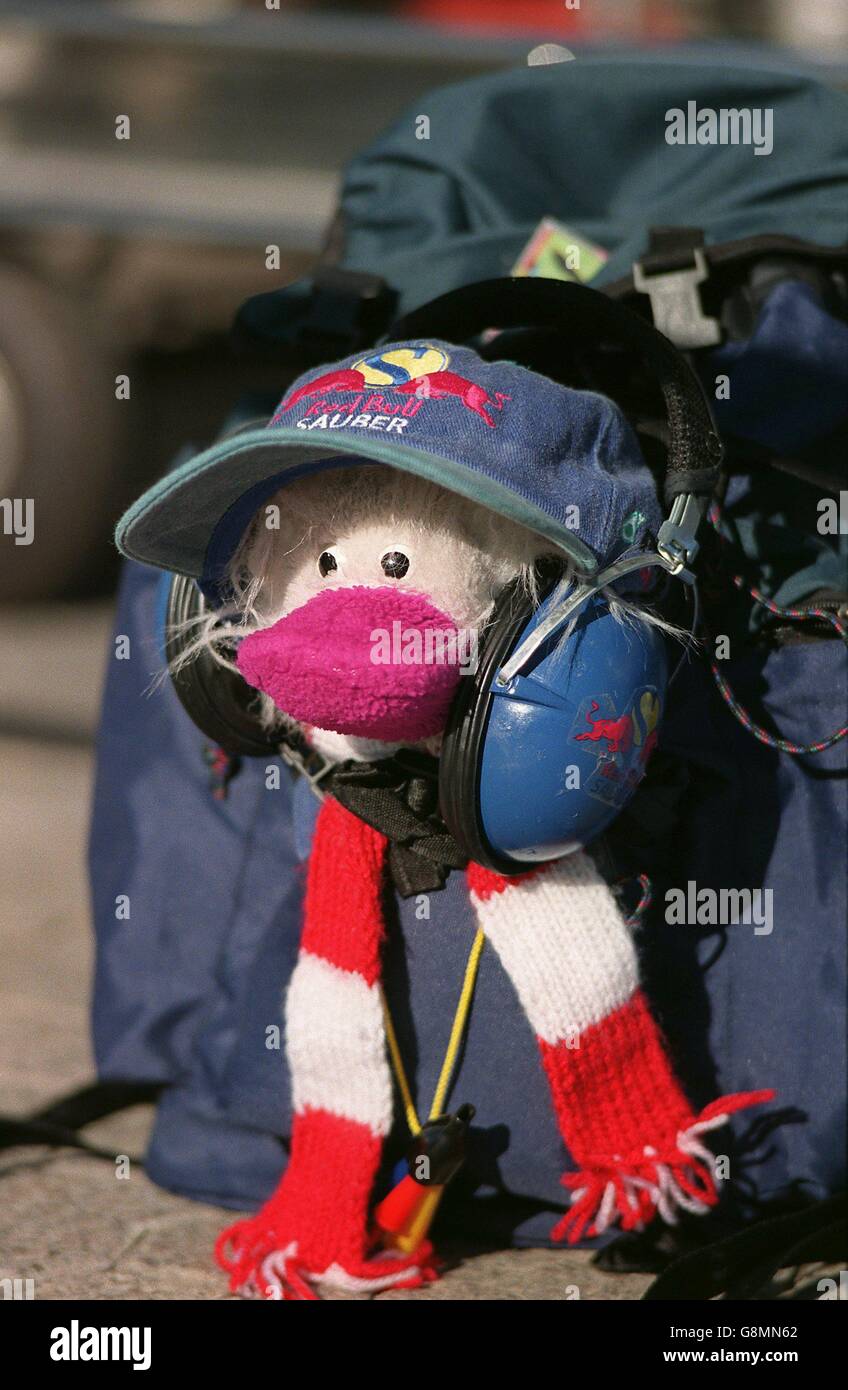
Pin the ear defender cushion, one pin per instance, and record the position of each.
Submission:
(461, 757)
(219, 701)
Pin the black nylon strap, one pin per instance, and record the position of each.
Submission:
(670, 248)
(583, 314)
(744, 1262)
(399, 797)
(700, 481)
(57, 1124)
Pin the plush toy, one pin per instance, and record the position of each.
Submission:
(351, 555)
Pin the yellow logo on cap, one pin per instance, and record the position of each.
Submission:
(400, 365)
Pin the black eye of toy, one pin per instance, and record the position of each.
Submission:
(327, 563)
(395, 564)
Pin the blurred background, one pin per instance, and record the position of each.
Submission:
(131, 260)
(131, 257)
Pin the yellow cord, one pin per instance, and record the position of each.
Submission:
(456, 1035)
(460, 1019)
(400, 1075)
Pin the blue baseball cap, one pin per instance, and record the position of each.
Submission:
(564, 463)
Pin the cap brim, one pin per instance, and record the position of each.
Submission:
(171, 525)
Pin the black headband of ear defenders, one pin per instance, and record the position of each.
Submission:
(584, 315)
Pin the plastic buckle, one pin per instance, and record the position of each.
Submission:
(676, 541)
(313, 767)
(348, 309)
(676, 303)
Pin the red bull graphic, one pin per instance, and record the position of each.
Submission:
(414, 374)
(473, 397)
(618, 733)
(624, 743)
(343, 380)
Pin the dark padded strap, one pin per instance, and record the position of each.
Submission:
(57, 1124)
(743, 1263)
(582, 314)
(399, 797)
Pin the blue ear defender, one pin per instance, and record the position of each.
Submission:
(538, 765)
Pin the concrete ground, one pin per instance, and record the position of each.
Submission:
(66, 1221)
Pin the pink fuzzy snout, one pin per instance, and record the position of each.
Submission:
(359, 661)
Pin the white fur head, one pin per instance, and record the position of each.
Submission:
(335, 530)
(460, 554)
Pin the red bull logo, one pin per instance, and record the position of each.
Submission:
(624, 742)
(415, 375)
(618, 733)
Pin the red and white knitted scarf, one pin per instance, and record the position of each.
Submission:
(562, 940)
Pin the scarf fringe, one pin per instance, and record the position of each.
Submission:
(260, 1265)
(681, 1177)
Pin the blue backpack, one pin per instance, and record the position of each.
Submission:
(755, 287)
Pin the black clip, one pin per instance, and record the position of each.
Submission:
(348, 309)
(307, 763)
(330, 314)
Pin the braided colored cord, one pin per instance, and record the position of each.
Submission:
(738, 710)
(646, 890)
